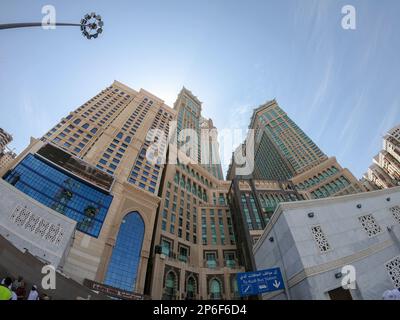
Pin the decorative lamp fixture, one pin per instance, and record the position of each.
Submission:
(91, 25)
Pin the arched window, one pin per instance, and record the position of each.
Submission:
(170, 286)
(215, 289)
(191, 288)
(125, 258)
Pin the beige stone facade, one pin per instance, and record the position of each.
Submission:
(385, 170)
(195, 247)
(5, 138)
(6, 159)
(114, 133)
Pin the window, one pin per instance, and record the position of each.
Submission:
(77, 121)
(215, 289)
(94, 130)
(63, 193)
(125, 258)
(165, 247)
(211, 260)
(396, 213)
(393, 269)
(320, 239)
(369, 224)
(85, 126)
(230, 260)
(183, 254)
(170, 286)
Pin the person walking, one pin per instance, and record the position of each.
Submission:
(391, 294)
(33, 295)
(5, 292)
(21, 291)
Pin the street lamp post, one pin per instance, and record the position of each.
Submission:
(91, 25)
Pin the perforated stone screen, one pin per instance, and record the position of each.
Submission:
(370, 225)
(393, 269)
(320, 239)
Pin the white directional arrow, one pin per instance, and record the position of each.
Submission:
(276, 284)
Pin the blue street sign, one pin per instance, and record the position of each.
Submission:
(254, 283)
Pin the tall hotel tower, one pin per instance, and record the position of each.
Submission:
(138, 227)
(91, 167)
(188, 108)
(288, 166)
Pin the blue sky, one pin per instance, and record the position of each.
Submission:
(340, 86)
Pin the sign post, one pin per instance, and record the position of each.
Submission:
(255, 283)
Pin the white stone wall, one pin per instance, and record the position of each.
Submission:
(349, 244)
(31, 226)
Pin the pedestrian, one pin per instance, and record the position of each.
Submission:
(5, 292)
(391, 294)
(33, 295)
(21, 291)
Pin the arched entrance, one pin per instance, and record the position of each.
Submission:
(215, 289)
(191, 288)
(170, 286)
(124, 263)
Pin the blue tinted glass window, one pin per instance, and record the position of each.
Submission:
(125, 258)
(62, 192)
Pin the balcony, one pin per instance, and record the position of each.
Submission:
(230, 264)
(212, 264)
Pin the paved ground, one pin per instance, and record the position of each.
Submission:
(14, 263)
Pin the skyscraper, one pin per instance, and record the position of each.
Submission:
(142, 227)
(385, 170)
(288, 166)
(92, 168)
(5, 138)
(189, 116)
(283, 151)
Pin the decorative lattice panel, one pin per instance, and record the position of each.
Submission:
(393, 269)
(320, 239)
(396, 213)
(369, 224)
(24, 218)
